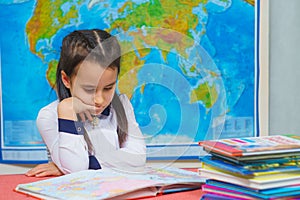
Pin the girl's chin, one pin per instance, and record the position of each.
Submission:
(97, 112)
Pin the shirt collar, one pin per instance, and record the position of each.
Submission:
(106, 111)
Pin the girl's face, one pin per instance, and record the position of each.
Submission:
(94, 85)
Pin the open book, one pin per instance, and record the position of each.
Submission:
(110, 184)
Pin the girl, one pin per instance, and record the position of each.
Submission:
(90, 126)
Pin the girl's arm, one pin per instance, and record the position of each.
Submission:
(133, 154)
(67, 147)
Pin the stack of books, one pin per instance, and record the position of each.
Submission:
(252, 168)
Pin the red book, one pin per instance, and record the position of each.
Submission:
(250, 146)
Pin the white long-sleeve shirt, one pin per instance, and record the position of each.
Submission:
(69, 150)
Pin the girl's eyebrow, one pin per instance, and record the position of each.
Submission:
(94, 86)
(88, 86)
(111, 84)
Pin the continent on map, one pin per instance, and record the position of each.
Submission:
(47, 19)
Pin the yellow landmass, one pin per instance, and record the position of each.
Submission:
(251, 2)
(206, 93)
(193, 68)
(143, 88)
(139, 46)
(130, 66)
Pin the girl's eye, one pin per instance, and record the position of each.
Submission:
(108, 88)
(89, 90)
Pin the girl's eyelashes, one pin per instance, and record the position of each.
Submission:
(88, 90)
(108, 88)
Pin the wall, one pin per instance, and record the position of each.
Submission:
(284, 69)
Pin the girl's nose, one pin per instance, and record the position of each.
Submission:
(98, 98)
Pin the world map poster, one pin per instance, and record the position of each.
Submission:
(189, 68)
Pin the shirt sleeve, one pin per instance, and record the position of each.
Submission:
(133, 153)
(67, 147)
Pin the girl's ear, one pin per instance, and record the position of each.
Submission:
(65, 79)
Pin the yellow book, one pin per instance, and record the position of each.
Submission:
(243, 171)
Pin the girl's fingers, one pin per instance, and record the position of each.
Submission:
(88, 115)
(82, 117)
(47, 173)
(42, 174)
(34, 171)
(29, 173)
(41, 170)
(84, 111)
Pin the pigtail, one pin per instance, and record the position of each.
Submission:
(62, 91)
(88, 141)
(122, 127)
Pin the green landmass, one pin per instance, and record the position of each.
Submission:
(47, 19)
(205, 93)
(168, 24)
(51, 72)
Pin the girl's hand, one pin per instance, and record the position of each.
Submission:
(72, 107)
(42, 170)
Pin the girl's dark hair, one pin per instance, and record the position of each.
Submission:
(97, 46)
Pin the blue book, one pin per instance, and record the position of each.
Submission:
(250, 170)
(209, 196)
